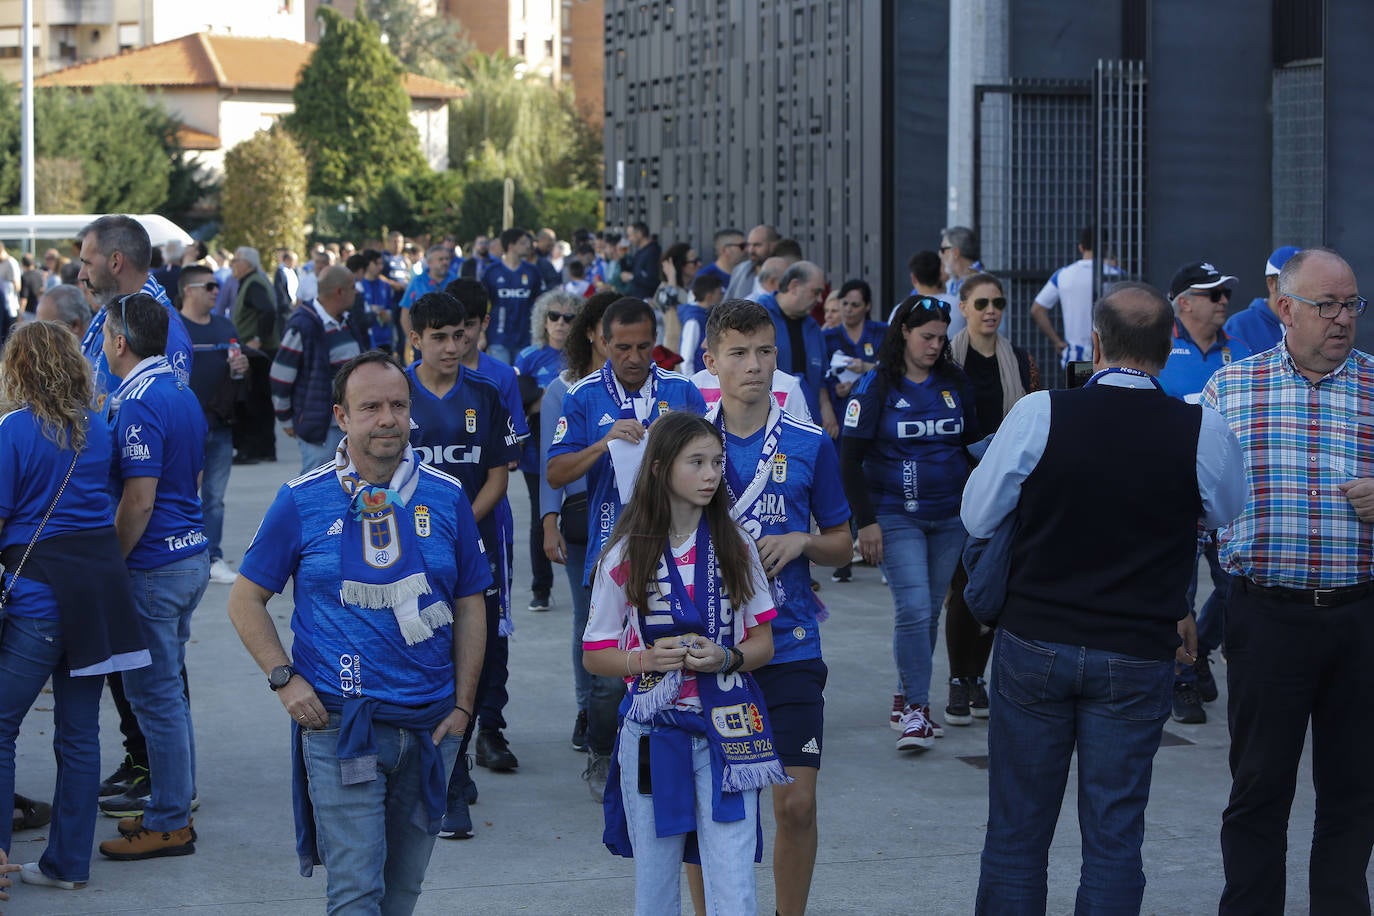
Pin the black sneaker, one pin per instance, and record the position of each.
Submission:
(540, 601)
(1206, 683)
(118, 782)
(130, 802)
(978, 698)
(493, 752)
(579, 738)
(957, 710)
(1187, 704)
(457, 822)
(843, 574)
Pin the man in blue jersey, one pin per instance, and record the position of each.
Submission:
(1200, 347)
(460, 425)
(800, 340)
(1259, 326)
(513, 284)
(160, 430)
(431, 280)
(380, 680)
(781, 473)
(115, 258)
(492, 749)
(601, 436)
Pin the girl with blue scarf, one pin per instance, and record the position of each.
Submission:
(681, 609)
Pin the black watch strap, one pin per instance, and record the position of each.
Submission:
(280, 677)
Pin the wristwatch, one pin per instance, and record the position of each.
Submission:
(280, 676)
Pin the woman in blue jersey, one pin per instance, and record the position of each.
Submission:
(538, 364)
(904, 467)
(681, 609)
(55, 518)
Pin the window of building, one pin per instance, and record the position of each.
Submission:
(130, 36)
(519, 47)
(548, 48)
(10, 46)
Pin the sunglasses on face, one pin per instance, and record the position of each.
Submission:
(561, 316)
(1216, 293)
(999, 303)
(210, 286)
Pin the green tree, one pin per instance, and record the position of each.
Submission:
(524, 129)
(189, 185)
(263, 200)
(420, 203)
(9, 147)
(480, 213)
(423, 43)
(352, 112)
(565, 210)
(59, 185)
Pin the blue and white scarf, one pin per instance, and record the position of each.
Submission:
(381, 565)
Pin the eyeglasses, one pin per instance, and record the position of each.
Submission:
(1216, 293)
(944, 248)
(692, 261)
(999, 303)
(1330, 308)
(561, 316)
(733, 245)
(210, 286)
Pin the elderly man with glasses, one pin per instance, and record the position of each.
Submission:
(1300, 624)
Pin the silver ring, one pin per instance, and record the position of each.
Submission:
(301, 717)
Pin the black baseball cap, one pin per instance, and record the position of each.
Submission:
(1198, 275)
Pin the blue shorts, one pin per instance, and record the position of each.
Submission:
(794, 695)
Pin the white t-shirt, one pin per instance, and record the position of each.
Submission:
(1072, 286)
(787, 389)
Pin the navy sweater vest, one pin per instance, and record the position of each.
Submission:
(1108, 524)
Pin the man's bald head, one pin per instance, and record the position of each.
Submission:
(1134, 325)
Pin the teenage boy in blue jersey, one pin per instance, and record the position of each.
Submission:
(492, 749)
(615, 404)
(155, 478)
(513, 284)
(780, 474)
(459, 424)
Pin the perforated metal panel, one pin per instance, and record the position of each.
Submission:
(730, 113)
(1299, 165)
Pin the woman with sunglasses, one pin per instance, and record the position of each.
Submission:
(538, 364)
(904, 464)
(1001, 373)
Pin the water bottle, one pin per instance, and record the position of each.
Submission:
(234, 352)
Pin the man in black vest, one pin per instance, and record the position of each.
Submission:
(1095, 605)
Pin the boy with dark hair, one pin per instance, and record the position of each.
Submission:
(707, 292)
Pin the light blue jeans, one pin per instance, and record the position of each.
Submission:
(727, 850)
(165, 598)
(919, 558)
(374, 854)
(582, 603)
(219, 460)
(30, 651)
(312, 455)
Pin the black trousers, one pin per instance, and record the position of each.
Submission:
(541, 569)
(255, 432)
(965, 642)
(1288, 665)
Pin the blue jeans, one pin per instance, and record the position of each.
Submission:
(313, 455)
(582, 603)
(219, 460)
(30, 651)
(919, 557)
(727, 849)
(1046, 699)
(165, 598)
(354, 823)
(1211, 617)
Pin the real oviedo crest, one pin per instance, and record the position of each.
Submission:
(380, 538)
(470, 419)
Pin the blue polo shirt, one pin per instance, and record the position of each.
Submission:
(512, 294)
(803, 482)
(159, 431)
(1188, 369)
(813, 376)
(1257, 327)
(340, 650)
(915, 463)
(589, 410)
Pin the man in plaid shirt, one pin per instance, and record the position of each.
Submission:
(1300, 626)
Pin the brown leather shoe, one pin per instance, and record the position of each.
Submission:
(150, 844)
(128, 826)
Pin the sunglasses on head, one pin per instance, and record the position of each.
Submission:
(562, 316)
(1216, 293)
(929, 303)
(999, 303)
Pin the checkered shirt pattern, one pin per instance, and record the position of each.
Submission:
(1300, 441)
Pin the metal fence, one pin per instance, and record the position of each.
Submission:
(1299, 165)
(1050, 158)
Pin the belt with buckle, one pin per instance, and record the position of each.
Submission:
(1313, 597)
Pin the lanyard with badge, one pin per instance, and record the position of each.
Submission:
(1097, 377)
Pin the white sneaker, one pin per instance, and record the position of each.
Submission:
(221, 573)
(29, 873)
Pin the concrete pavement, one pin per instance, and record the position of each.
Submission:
(900, 833)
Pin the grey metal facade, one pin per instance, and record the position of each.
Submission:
(729, 113)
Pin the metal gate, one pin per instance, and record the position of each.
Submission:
(1050, 158)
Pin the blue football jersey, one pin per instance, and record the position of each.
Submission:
(512, 295)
